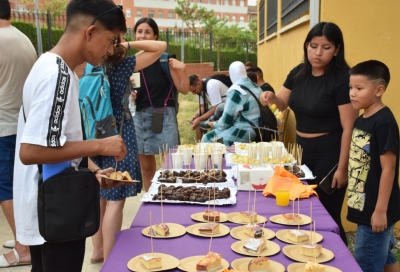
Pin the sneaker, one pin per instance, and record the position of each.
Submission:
(204, 125)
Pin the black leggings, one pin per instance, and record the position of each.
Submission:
(321, 154)
(60, 257)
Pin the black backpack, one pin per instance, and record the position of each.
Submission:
(267, 121)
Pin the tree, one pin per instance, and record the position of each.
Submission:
(194, 16)
(56, 7)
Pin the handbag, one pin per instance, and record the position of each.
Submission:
(69, 205)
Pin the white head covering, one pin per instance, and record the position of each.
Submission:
(237, 73)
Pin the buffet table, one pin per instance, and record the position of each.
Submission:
(131, 242)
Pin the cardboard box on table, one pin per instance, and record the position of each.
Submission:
(253, 177)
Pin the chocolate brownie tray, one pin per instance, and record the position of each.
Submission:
(191, 176)
(191, 193)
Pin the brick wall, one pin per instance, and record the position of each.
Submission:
(202, 70)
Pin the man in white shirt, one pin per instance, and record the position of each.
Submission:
(17, 56)
(50, 129)
(210, 91)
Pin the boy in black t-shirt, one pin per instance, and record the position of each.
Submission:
(373, 189)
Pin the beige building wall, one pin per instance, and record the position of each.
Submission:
(371, 31)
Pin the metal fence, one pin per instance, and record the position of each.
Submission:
(187, 46)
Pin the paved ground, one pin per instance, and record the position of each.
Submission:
(131, 207)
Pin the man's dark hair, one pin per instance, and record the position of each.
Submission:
(256, 70)
(193, 80)
(111, 17)
(373, 70)
(5, 10)
(252, 76)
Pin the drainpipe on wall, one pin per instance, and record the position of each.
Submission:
(314, 12)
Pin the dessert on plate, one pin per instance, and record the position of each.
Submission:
(314, 267)
(259, 264)
(254, 245)
(211, 215)
(297, 236)
(161, 229)
(312, 250)
(151, 262)
(120, 175)
(210, 262)
(291, 218)
(209, 228)
(248, 216)
(253, 230)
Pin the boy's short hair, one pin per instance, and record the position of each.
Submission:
(256, 70)
(252, 76)
(193, 79)
(5, 10)
(249, 64)
(106, 12)
(373, 70)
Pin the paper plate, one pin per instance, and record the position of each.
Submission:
(175, 230)
(235, 218)
(199, 217)
(168, 262)
(299, 267)
(132, 181)
(272, 249)
(241, 264)
(293, 252)
(279, 220)
(194, 229)
(281, 235)
(238, 233)
(189, 264)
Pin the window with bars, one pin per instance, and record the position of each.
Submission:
(160, 14)
(261, 21)
(170, 15)
(151, 14)
(139, 14)
(293, 10)
(272, 16)
(128, 13)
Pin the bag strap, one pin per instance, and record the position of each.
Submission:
(148, 93)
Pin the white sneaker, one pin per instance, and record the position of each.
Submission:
(9, 244)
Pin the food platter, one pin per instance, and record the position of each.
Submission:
(199, 217)
(175, 230)
(271, 249)
(194, 230)
(293, 252)
(189, 264)
(235, 218)
(305, 220)
(281, 235)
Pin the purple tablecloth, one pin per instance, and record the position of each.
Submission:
(130, 243)
(265, 206)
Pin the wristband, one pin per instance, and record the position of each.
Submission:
(97, 170)
(129, 45)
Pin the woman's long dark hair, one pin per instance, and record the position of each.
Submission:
(150, 22)
(333, 33)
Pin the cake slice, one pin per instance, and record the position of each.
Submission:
(248, 217)
(209, 228)
(210, 262)
(253, 230)
(297, 236)
(312, 250)
(211, 215)
(291, 218)
(151, 262)
(255, 245)
(161, 229)
(314, 267)
(259, 264)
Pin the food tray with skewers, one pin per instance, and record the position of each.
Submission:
(225, 194)
(188, 176)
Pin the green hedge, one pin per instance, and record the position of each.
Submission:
(228, 53)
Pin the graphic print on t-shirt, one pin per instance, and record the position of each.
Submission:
(359, 165)
(57, 111)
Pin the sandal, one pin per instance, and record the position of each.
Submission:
(4, 263)
(9, 244)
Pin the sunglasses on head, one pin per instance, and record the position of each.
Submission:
(108, 11)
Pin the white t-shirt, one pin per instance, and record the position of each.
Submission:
(50, 101)
(216, 92)
(17, 56)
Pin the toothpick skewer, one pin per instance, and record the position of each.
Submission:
(162, 211)
(298, 212)
(248, 203)
(311, 218)
(151, 234)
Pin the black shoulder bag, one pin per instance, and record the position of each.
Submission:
(68, 204)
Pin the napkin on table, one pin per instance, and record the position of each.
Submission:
(298, 188)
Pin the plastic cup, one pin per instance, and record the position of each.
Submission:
(187, 155)
(177, 160)
(200, 160)
(136, 80)
(282, 190)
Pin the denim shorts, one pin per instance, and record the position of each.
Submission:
(372, 250)
(7, 153)
(149, 142)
